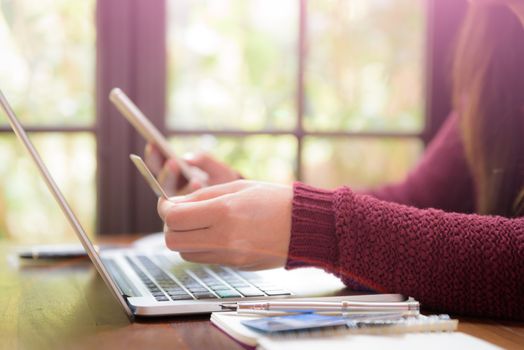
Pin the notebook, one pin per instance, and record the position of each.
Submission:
(231, 324)
(408, 341)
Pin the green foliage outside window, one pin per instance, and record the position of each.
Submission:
(232, 65)
(47, 73)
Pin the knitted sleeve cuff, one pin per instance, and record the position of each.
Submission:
(313, 239)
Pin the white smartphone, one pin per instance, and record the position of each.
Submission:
(149, 132)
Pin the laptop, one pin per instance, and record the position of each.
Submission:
(148, 281)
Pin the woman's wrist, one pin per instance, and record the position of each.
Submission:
(313, 240)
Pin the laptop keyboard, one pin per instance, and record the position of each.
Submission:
(199, 282)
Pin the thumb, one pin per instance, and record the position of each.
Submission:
(163, 207)
(211, 192)
(200, 160)
(168, 177)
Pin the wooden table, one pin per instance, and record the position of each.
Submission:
(67, 305)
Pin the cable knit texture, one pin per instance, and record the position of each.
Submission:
(393, 241)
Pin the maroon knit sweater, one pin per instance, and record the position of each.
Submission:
(391, 240)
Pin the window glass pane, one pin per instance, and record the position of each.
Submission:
(232, 63)
(47, 60)
(268, 158)
(28, 213)
(358, 162)
(364, 65)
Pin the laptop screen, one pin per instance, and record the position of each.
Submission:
(64, 206)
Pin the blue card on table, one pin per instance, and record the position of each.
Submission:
(294, 322)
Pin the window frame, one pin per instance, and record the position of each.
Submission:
(443, 18)
(131, 54)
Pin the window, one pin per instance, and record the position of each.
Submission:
(281, 89)
(47, 73)
(327, 91)
(232, 70)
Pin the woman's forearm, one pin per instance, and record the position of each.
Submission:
(457, 263)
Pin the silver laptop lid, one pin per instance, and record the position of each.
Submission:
(66, 209)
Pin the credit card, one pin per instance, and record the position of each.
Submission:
(294, 322)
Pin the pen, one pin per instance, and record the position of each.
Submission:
(407, 308)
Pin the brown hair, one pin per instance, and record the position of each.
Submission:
(489, 95)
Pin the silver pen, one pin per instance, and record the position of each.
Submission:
(406, 308)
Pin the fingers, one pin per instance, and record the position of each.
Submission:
(192, 186)
(199, 258)
(199, 176)
(232, 258)
(189, 216)
(201, 160)
(168, 173)
(217, 171)
(153, 159)
(203, 168)
(211, 192)
(211, 257)
(167, 177)
(205, 171)
(173, 182)
(195, 242)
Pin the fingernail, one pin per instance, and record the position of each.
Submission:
(175, 199)
(172, 164)
(196, 185)
(189, 156)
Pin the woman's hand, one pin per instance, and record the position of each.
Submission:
(169, 175)
(245, 224)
